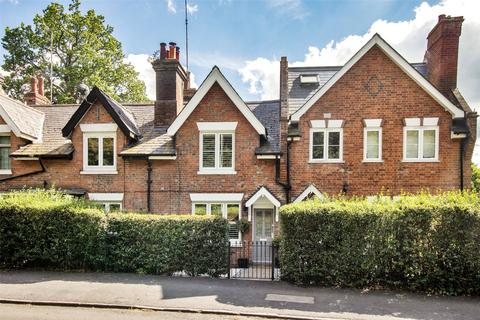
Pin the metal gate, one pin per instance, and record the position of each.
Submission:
(256, 260)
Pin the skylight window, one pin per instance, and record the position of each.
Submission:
(308, 79)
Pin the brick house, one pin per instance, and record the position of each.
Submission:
(376, 124)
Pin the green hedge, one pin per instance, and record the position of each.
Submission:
(47, 229)
(424, 242)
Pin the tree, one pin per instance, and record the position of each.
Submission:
(475, 178)
(84, 50)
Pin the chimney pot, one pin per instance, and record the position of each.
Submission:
(41, 88)
(33, 84)
(177, 54)
(172, 50)
(163, 51)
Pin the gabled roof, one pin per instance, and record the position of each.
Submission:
(262, 192)
(310, 189)
(215, 76)
(399, 61)
(123, 117)
(24, 121)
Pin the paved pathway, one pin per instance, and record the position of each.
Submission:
(240, 296)
(29, 312)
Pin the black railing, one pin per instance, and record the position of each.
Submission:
(253, 260)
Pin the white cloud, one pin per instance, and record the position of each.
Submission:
(171, 6)
(143, 66)
(408, 37)
(291, 8)
(192, 8)
(263, 77)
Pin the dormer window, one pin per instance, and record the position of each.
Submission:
(99, 148)
(217, 147)
(308, 79)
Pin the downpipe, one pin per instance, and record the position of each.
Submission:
(286, 185)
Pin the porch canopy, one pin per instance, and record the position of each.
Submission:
(263, 198)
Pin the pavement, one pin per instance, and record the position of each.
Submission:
(29, 312)
(227, 297)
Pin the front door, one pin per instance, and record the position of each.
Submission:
(263, 227)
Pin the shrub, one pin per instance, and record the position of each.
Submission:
(475, 178)
(48, 229)
(167, 244)
(424, 242)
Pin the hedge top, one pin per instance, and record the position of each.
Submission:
(383, 203)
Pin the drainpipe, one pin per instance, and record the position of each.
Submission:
(42, 170)
(149, 184)
(463, 142)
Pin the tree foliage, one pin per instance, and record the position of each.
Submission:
(84, 51)
(475, 178)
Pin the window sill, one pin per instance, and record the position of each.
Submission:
(217, 171)
(6, 171)
(98, 171)
(325, 161)
(235, 243)
(372, 161)
(420, 160)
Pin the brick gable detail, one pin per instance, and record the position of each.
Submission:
(399, 98)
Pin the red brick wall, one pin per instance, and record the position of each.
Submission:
(400, 98)
(173, 181)
(66, 173)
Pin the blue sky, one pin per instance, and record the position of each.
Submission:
(247, 38)
(223, 29)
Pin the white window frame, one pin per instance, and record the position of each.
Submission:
(325, 158)
(107, 205)
(100, 168)
(420, 130)
(5, 133)
(224, 212)
(217, 169)
(366, 130)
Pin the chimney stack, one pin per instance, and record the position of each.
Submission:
(441, 56)
(36, 95)
(170, 78)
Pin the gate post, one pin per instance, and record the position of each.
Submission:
(228, 261)
(273, 261)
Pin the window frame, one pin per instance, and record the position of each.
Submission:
(326, 132)
(9, 146)
(107, 205)
(365, 144)
(224, 212)
(217, 169)
(100, 168)
(420, 130)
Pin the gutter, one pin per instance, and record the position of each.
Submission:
(42, 170)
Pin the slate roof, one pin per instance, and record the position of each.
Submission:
(120, 114)
(27, 121)
(299, 93)
(154, 140)
(53, 144)
(268, 112)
